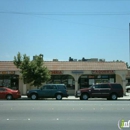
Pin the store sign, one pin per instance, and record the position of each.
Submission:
(103, 71)
(91, 76)
(77, 72)
(56, 72)
(7, 72)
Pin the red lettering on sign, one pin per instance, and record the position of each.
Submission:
(56, 72)
(103, 71)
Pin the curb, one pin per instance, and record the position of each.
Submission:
(24, 97)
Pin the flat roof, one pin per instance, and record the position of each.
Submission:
(70, 65)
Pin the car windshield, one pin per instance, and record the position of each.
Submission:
(43, 87)
(90, 86)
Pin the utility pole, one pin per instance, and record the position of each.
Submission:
(129, 43)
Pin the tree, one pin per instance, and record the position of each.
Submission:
(127, 65)
(33, 72)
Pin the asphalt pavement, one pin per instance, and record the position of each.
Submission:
(63, 115)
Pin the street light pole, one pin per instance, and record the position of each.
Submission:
(129, 43)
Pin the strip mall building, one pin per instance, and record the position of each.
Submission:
(75, 75)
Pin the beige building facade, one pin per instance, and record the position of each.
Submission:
(75, 74)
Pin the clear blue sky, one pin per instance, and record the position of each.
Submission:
(65, 28)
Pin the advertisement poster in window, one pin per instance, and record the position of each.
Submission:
(111, 80)
(91, 81)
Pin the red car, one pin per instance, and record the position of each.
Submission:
(9, 94)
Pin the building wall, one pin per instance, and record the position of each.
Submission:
(120, 77)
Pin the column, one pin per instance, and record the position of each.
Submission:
(76, 77)
(24, 88)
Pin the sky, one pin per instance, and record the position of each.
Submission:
(60, 29)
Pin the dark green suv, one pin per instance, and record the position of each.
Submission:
(49, 91)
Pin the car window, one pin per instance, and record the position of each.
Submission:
(49, 87)
(116, 86)
(105, 86)
(61, 86)
(53, 87)
(46, 87)
(97, 86)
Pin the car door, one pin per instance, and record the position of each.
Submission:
(48, 91)
(2, 93)
(95, 91)
(105, 90)
(53, 90)
(44, 91)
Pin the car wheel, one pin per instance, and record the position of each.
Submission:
(34, 96)
(58, 97)
(84, 97)
(9, 97)
(113, 96)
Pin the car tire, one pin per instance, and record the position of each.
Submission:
(9, 97)
(58, 97)
(34, 96)
(84, 97)
(113, 96)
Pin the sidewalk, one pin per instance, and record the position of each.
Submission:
(127, 97)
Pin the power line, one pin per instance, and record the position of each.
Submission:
(66, 13)
(87, 0)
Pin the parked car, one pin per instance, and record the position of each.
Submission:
(49, 91)
(103, 90)
(127, 88)
(9, 94)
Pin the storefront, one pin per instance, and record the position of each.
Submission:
(58, 77)
(68, 80)
(128, 78)
(9, 79)
(74, 75)
(88, 80)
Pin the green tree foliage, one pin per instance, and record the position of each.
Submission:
(127, 65)
(33, 72)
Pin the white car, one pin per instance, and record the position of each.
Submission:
(128, 88)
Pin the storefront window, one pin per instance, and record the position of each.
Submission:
(10, 81)
(68, 80)
(86, 81)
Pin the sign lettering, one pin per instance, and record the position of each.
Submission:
(103, 71)
(56, 72)
(7, 72)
